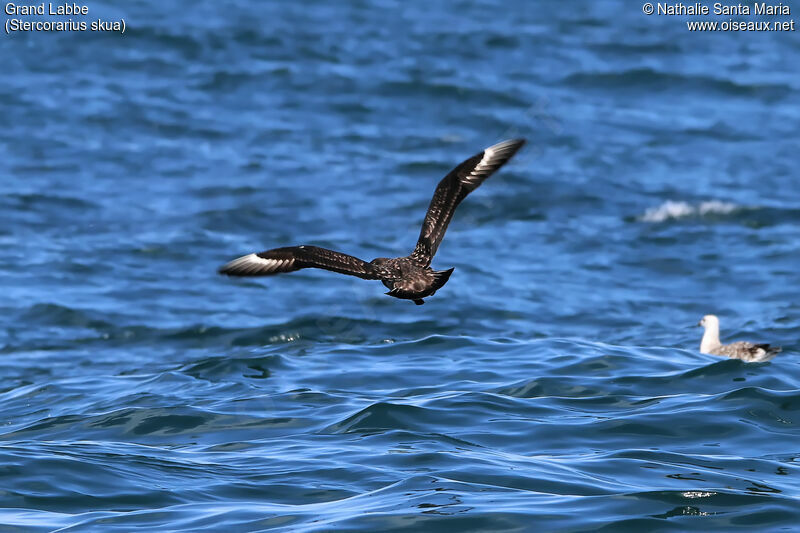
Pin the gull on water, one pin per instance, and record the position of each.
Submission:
(746, 351)
(411, 277)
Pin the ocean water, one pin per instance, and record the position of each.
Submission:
(554, 384)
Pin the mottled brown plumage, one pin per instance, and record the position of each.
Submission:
(409, 278)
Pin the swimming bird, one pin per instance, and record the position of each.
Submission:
(410, 277)
(746, 351)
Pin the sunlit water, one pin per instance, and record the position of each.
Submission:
(553, 384)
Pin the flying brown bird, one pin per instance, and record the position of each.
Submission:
(411, 277)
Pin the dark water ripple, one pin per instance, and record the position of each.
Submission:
(553, 383)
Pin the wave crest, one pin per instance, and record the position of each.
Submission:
(675, 210)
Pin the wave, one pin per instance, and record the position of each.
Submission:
(651, 78)
(671, 210)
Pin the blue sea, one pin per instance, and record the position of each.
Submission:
(554, 384)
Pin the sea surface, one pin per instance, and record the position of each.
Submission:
(554, 384)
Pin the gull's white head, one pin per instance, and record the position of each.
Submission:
(709, 322)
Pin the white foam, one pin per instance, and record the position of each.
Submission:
(674, 210)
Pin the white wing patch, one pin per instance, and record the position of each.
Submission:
(493, 158)
(253, 264)
(480, 170)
